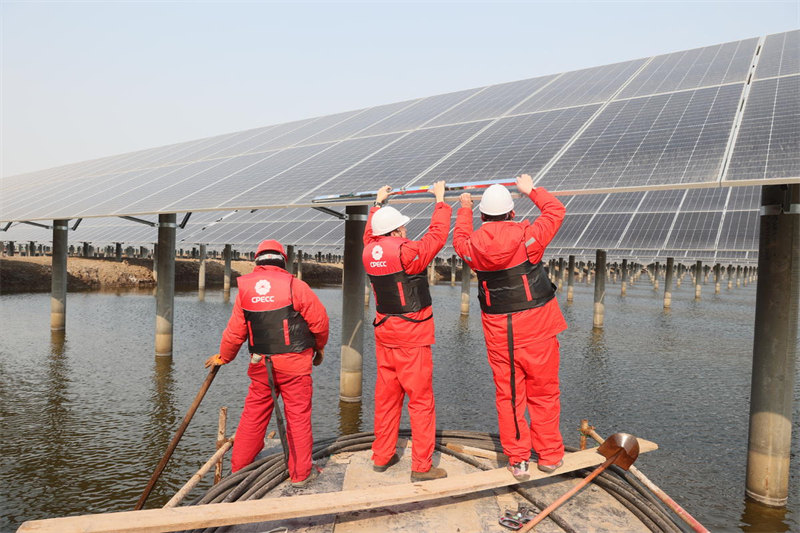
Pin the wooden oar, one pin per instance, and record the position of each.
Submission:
(177, 437)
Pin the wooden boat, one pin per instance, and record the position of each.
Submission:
(349, 496)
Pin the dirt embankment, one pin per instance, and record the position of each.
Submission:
(33, 274)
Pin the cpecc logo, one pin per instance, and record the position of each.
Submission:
(377, 252)
(263, 287)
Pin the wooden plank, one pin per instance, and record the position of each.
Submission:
(221, 514)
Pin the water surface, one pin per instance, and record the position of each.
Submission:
(85, 416)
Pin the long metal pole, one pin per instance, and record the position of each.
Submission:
(698, 279)
(624, 282)
(668, 283)
(201, 271)
(165, 292)
(58, 287)
(571, 278)
(599, 289)
(352, 305)
(774, 346)
(465, 282)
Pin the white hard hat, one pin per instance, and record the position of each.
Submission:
(496, 201)
(387, 219)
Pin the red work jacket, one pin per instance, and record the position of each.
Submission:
(415, 257)
(303, 300)
(493, 246)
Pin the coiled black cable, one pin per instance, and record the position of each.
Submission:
(258, 478)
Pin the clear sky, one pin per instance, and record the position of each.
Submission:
(82, 80)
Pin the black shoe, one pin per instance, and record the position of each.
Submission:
(393, 460)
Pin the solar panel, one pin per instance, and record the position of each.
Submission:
(678, 139)
(647, 231)
(696, 230)
(511, 146)
(419, 113)
(581, 87)
(604, 230)
(401, 161)
(768, 143)
(358, 123)
(780, 56)
(692, 69)
(310, 175)
(492, 102)
(739, 231)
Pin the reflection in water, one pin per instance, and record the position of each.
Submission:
(162, 417)
(757, 518)
(349, 418)
(58, 416)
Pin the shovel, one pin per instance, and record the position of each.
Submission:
(619, 449)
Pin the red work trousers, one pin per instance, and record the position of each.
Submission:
(536, 379)
(404, 371)
(296, 392)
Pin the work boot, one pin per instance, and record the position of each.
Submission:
(549, 469)
(432, 473)
(519, 470)
(393, 460)
(304, 482)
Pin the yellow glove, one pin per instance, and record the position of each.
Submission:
(319, 355)
(214, 360)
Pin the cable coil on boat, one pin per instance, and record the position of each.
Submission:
(257, 479)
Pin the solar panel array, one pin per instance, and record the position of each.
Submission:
(721, 115)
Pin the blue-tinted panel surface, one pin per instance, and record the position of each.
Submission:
(354, 125)
(299, 135)
(604, 231)
(418, 114)
(647, 231)
(492, 102)
(768, 144)
(690, 69)
(255, 173)
(400, 162)
(662, 201)
(744, 198)
(571, 229)
(677, 138)
(624, 202)
(711, 199)
(739, 231)
(780, 56)
(582, 87)
(695, 230)
(586, 203)
(301, 180)
(512, 146)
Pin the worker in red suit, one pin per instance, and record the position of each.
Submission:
(281, 318)
(404, 330)
(520, 317)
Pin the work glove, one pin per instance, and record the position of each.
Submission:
(319, 355)
(214, 360)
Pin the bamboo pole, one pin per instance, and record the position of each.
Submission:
(198, 476)
(221, 426)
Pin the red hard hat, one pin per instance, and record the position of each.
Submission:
(271, 246)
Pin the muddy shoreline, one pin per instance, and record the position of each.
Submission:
(21, 274)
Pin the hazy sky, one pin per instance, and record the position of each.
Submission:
(82, 80)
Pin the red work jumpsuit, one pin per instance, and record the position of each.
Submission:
(403, 353)
(270, 288)
(497, 246)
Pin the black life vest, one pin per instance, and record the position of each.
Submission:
(396, 292)
(518, 288)
(274, 326)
